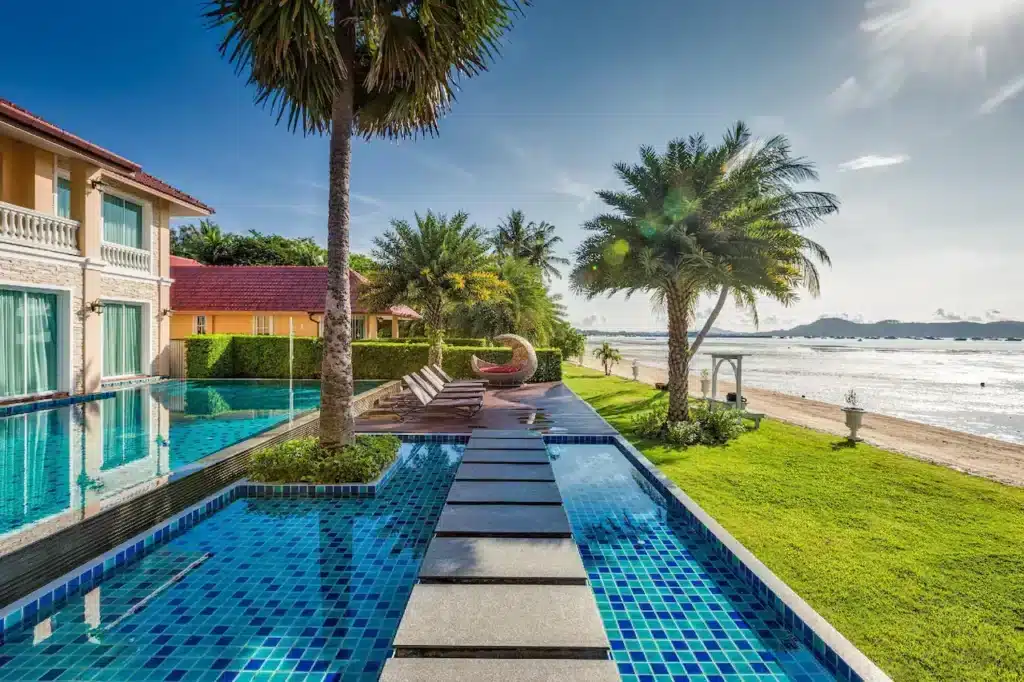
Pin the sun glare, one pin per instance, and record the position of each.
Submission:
(939, 18)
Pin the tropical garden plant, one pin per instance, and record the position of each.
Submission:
(433, 267)
(608, 355)
(701, 219)
(569, 340)
(375, 68)
(530, 241)
(524, 306)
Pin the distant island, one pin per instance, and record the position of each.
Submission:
(838, 327)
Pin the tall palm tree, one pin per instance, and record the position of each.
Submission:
(516, 238)
(526, 307)
(432, 267)
(700, 219)
(608, 355)
(377, 68)
(541, 250)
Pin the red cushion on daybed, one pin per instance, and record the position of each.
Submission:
(500, 369)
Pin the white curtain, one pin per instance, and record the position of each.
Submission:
(41, 342)
(12, 342)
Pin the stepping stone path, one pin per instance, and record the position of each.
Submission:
(502, 592)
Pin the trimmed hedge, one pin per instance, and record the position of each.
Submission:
(453, 341)
(209, 356)
(266, 357)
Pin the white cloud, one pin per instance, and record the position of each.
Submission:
(873, 161)
(573, 188)
(1002, 96)
(949, 316)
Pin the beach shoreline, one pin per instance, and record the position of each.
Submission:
(972, 454)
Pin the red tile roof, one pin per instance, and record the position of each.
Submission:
(24, 118)
(269, 288)
(180, 261)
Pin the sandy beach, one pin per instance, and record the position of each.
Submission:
(994, 459)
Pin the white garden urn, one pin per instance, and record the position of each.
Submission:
(854, 417)
(705, 386)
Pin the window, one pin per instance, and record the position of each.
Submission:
(28, 342)
(122, 222)
(122, 339)
(358, 328)
(63, 207)
(200, 324)
(125, 428)
(383, 327)
(264, 325)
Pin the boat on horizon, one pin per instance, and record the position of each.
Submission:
(1013, 338)
(960, 338)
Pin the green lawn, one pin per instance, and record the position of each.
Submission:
(920, 566)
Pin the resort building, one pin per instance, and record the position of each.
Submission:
(271, 300)
(84, 261)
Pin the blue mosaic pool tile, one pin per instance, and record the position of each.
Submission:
(672, 606)
(323, 604)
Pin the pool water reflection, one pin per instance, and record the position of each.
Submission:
(68, 458)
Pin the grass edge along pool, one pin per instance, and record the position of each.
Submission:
(828, 645)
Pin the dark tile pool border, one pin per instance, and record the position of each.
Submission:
(51, 403)
(42, 601)
(837, 653)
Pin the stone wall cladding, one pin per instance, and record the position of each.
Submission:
(115, 288)
(30, 272)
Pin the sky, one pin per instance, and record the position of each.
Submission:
(911, 110)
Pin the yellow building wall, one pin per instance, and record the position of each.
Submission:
(182, 323)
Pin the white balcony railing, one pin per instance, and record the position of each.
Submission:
(126, 257)
(31, 228)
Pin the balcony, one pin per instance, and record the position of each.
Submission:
(126, 257)
(41, 231)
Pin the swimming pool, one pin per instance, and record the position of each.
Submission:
(266, 589)
(67, 458)
(672, 608)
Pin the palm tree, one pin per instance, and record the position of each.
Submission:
(541, 250)
(206, 243)
(608, 356)
(526, 307)
(700, 219)
(377, 68)
(439, 263)
(515, 238)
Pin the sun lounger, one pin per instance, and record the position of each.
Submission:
(441, 374)
(433, 381)
(453, 394)
(434, 402)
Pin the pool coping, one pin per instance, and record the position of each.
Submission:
(828, 645)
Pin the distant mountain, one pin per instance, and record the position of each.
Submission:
(834, 326)
(693, 332)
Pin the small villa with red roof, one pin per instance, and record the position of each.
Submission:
(266, 299)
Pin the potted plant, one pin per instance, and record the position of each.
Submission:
(705, 382)
(854, 414)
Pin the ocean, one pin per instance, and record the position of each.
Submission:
(933, 382)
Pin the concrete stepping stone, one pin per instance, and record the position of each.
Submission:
(497, 670)
(528, 621)
(496, 520)
(506, 560)
(470, 471)
(504, 492)
(515, 434)
(505, 456)
(476, 443)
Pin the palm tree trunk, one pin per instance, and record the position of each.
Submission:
(337, 425)
(722, 295)
(433, 318)
(678, 356)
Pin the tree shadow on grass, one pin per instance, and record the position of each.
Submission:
(845, 444)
